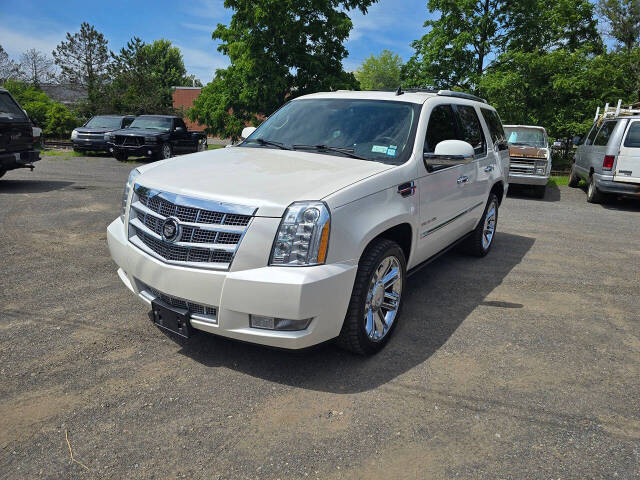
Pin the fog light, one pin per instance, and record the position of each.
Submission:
(149, 152)
(282, 324)
(540, 171)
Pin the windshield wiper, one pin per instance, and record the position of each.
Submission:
(327, 148)
(271, 143)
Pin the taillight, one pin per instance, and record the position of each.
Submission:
(607, 163)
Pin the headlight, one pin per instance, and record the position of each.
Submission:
(303, 235)
(74, 134)
(127, 189)
(109, 137)
(150, 139)
(541, 167)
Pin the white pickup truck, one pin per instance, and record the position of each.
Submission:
(305, 231)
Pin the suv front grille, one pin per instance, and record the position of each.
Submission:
(129, 141)
(209, 232)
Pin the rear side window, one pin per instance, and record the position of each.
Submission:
(495, 126)
(605, 133)
(442, 126)
(471, 129)
(633, 136)
(591, 136)
(10, 109)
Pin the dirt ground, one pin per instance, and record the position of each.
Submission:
(521, 365)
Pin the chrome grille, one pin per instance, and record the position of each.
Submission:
(196, 310)
(210, 231)
(526, 166)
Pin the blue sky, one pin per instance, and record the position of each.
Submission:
(25, 24)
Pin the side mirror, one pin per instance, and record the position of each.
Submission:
(179, 129)
(577, 140)
(449, 153)
(246, 131)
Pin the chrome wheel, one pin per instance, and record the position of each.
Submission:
(166, 151)
(383, 298)
(202, 146)
(489, 225)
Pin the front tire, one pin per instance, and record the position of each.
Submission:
(375, 302)
(165, 151)
(481, 239)
(574, 179)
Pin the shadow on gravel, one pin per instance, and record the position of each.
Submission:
(31, 186)
(621, 204)
(552, 193)
(438, 299)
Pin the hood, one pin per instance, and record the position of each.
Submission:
(140, 132)
(266, 178)
(95, 130)
(525, 151)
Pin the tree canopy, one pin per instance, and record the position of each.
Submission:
(278, 50)
(381, 72)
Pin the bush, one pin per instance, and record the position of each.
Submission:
(54, 118)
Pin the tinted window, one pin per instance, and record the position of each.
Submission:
(442, 126)
(633, 136)
(180, 123)
(605, 133)
(153, 123)
(471, 129)
(495, 125)
(126, 122)
(10, 109)
(104, 122)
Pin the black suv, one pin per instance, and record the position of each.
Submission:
(156, 136)
(91, 135)
(17, 143)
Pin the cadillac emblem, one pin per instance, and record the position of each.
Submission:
(171, 229)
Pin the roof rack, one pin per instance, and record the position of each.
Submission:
(468, 96)
(617, 111)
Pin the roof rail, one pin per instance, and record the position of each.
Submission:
(617, 111)
(468, 96)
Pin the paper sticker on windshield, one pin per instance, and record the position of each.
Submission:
(379, 149)
(391, 151)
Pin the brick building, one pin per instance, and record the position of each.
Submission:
(183, 98)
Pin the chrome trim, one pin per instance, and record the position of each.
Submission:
(199, 203)
(451, 220)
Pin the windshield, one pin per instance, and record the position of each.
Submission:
(10, 109)
(153, 123)
(104, 122)
(533, 137)
(375, 130)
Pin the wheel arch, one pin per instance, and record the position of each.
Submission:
(498, 189)
(401, 233)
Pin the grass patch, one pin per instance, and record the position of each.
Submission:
(559, 181)
(61, 153)
(214, 147)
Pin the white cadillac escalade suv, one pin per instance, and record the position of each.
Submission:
(306, 230)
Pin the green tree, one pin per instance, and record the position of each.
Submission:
(381, 72)
(83, 59)
(142, 76)
(622, 20)
(278, 50)
(54, 118)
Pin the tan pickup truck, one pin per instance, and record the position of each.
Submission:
(530, 157)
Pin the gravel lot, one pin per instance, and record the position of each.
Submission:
(525, 364)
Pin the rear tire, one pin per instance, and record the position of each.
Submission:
(375, 305)
(593, 194)
(574, 180)
(2, 172)
(481, 239)
(165, 151)
(120, 156)
(202, 146)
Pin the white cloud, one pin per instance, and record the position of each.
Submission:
(209, 9)
(203, 63)
(199, 27)
(17, 40)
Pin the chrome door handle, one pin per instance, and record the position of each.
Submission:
(462, 179)
(488, 168)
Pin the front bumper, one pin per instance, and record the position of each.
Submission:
(320, 292)
(11, 161)
(606, 184)
(89, 144)
(518, 179)
(135, 150)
